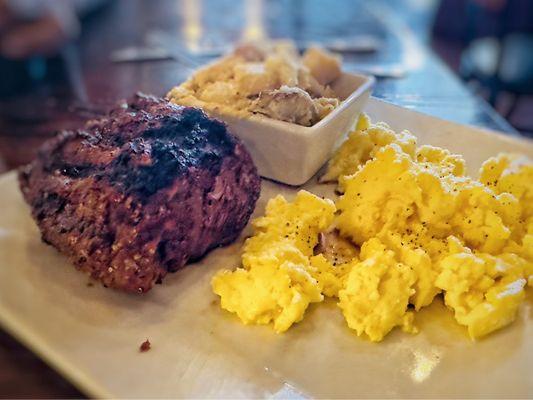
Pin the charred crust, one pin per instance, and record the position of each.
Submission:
(140, 193)
(152, 147)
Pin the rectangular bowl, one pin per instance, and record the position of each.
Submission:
(290, 153)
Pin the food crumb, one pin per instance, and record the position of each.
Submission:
(145, 346)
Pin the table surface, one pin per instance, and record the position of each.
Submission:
(193, 31)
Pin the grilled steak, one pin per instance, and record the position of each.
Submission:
(141, 192)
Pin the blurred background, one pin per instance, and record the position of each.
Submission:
(65, 61)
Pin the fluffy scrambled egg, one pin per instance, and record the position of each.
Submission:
(279, 276)
(376, 294)
(362, 145)
(417, 227)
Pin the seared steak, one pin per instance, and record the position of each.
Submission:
(141, 192)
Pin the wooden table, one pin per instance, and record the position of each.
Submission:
(56, 103)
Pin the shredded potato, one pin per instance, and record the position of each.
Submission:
(267, 78)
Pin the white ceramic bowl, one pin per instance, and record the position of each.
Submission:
(291, 153)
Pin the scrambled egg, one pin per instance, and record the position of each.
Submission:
(362, 145)
(483, 291)
(376, 294)
(417, 227)
(279, 277)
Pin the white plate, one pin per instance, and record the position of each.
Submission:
(92, 335)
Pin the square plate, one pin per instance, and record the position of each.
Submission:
(92, 335)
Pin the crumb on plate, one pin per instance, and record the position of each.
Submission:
(145, 346)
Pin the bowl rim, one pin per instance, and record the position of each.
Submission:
(369, 82)
(307, 131)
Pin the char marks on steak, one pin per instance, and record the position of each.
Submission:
(141, 192)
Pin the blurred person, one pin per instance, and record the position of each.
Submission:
(490, 45)
(39, 27)
(32, 31)
(492, 5)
